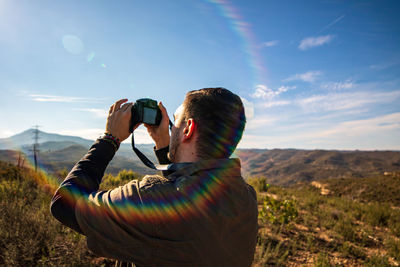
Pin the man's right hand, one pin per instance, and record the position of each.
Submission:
(160, 133)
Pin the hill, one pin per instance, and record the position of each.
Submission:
(281, 166)
(25, 139)
(288, 166)
(49, 142)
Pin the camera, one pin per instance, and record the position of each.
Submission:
(145, 110)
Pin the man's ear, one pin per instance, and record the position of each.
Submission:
(189, 129)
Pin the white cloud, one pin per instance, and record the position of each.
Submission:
(248, 108)
(311, 42)
(283, 89)
(309, 76)
(141, 135)
(266, 93)
(263, 92)
(6, 133)
(383, 66)
(269, 95)
(270, 43)
(64, 99)
(336, 86)
(100, 113)
(260, 122)
(379, 132)
(91, 134)
(343, 101)
(363, 127)
(271, 104)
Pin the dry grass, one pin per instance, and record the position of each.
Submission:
(331, 230)
(328, 230)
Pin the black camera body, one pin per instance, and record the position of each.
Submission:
(145, 110)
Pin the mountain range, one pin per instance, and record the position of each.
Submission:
(280, 166)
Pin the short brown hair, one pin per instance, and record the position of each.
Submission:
(220, 117)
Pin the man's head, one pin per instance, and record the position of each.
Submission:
(216, 117)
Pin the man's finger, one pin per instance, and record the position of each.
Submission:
(118, 104)
(164, 112)
(126, 106)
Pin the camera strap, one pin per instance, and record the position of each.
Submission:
(148, 163)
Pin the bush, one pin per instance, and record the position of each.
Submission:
(377, 260)
(346, 229)
(393, 247)
(258, 183)
(29, 235)
(123, 177)
(277, 211)
(322, 260)
(377, 214)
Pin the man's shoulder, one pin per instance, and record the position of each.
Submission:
(152, 180)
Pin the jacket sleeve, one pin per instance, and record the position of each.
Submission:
(115, 222)
(84, 178)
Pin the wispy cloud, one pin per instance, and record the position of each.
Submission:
(331, 24)
(100, 113)
(311, 42)
(141, 135)
(248, 108)
(64, 99)
(265, 93)
(91, 134)
(343, 101)
(378, 132)
(260, 122)
(271, 104)
(383, 66)
(6, 133)
(270, 43)
(309, 76)
(365, 126)
(336, 86)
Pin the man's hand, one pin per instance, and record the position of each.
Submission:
(160, 133)
(118, 119)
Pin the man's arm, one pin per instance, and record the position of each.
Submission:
(84, 178)
(86, 175)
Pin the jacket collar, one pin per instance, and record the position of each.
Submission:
(190, 168)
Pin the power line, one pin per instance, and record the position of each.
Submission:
(36, 145)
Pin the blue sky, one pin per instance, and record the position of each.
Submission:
(313, 75)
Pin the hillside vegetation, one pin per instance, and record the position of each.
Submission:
(340, 222)
(283, 167)
(289, 166)
(29, 235)
(336, 222)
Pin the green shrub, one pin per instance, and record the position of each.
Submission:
(394, 222)
(346, 229)
(271, 251)
(377, 214)
(258, 183)
(322, 260)
(123, 177)
(377, 260)
(349, 250)
(29, 235)
(278, 211)
(393, 247)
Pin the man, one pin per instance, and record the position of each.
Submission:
(201, 214)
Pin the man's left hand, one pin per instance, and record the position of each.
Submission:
(119, 117)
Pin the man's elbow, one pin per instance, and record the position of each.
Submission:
(55, 208)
